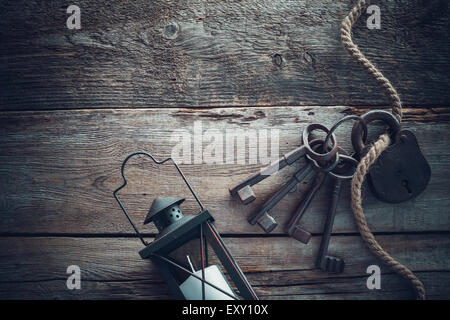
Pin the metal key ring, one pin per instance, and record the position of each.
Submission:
(315, 165)
(340, 155)
(344, 177)
(319, 157)
(337, 124)
(314, 142)
(327, 169)
(386, 117)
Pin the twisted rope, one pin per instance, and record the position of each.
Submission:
(374, 152)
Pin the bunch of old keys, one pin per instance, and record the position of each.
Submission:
(399, 174)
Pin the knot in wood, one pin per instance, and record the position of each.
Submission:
(277, 59)
(171, 30)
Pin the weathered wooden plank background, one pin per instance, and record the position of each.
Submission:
(233, 53)
(74, 103)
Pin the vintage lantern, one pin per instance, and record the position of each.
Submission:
(176, 229)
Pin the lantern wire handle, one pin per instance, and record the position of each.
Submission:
(125, 183)
(202, 250)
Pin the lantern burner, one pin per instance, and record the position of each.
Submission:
(166, 214)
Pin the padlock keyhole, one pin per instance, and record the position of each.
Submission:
(405, 184)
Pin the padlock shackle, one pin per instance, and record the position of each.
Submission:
(125, 183)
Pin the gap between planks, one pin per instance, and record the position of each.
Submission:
(223, 235)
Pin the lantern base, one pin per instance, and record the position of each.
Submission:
(192, 287)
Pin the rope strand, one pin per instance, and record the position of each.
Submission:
(374, 152)
(352, 48)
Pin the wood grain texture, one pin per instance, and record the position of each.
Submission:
(198, 53)
(58, 170)
(281, 268)
(75, 103)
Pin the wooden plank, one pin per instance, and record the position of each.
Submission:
(347, 289)
(201, 53)
(58, 170)
(276, 267)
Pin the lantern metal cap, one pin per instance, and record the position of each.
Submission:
(159, 205)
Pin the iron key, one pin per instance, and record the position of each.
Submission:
(326, 262)
(244, 190)
(294, 230)
(264, 220)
